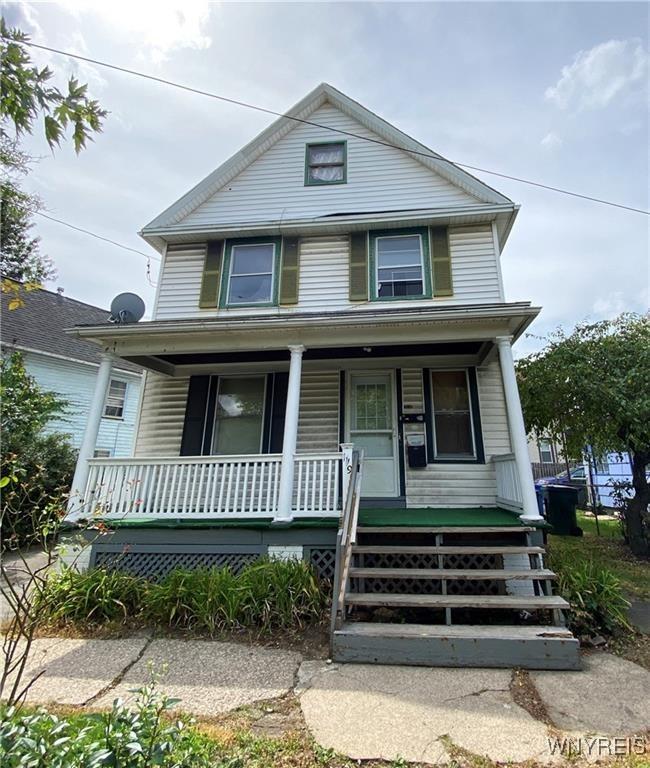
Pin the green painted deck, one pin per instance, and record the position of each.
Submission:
(445, 516)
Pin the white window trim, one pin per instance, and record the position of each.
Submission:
(108, 394)
(215, 421)
(376, 254)
(229, 302)
(452, 456)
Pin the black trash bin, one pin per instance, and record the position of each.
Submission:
(561, 504)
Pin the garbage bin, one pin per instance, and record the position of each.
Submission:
(561, 503)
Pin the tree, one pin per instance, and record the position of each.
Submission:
(593, 387)
(27, 93)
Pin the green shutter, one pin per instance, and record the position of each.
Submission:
(359, 266)
(290, 270)
(441, 262)
(211, 274)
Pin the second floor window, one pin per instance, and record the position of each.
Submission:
(251, 274)
(399, 266)
(114, 408)
(326, 163)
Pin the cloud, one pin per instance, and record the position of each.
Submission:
(552, 141)
(156, 28)
(600, 74)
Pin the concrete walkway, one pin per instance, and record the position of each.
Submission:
(416, 713)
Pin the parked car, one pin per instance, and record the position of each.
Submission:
(576, 477)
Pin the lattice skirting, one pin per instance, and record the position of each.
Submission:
(323, 560)
(431, 586)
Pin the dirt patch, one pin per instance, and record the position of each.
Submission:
(633, 647)
(525, 694)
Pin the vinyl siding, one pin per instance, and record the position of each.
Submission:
(162, 416)
(318, 422)
(324, 268)
(76, 383)
(378, 178)
(459, 485)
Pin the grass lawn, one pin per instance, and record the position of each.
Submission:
(607, 550)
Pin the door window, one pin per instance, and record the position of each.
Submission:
(372, 427)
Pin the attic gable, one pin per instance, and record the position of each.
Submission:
(265, 180)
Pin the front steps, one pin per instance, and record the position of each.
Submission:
(453, 596)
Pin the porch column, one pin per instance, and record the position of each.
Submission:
(87, 449)
(517, 429)
(284, 512)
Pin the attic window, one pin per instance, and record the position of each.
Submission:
(325, 163)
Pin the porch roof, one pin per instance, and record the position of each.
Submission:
(165, 345)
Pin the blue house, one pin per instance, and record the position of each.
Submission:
(68, 366)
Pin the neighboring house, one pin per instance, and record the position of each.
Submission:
(325, 293)
(68, 366)
(606, 472)
(546, 456)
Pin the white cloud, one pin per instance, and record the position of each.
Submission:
(610, 306)
(552, 140)
(600, 74)
(156, 28)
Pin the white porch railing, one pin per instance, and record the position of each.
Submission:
(509, 493)
(210, 486)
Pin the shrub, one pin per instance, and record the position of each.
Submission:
(595, 596)
(140, 737)
(266, 595)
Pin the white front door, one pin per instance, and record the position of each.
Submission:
(372, 425)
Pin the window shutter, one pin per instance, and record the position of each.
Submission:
(290, 270)
(211, 274)
(200, 395)
(359, 266)
(280, 389)
(441, 262)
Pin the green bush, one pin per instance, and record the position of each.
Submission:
(594, 594)
(140, 737)
(266, 595)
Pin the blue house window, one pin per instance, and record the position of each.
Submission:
(114, 407)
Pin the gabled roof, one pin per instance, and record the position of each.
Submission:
(40, 326)
(323, 93)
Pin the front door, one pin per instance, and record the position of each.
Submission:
(372, 425)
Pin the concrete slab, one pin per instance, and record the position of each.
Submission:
(388, 712)
(210, 677)
(75, 671)
(610, 696)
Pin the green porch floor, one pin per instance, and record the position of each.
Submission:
(444, 516)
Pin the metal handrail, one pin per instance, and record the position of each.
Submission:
(345, 538)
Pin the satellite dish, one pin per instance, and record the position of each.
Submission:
(126, 308)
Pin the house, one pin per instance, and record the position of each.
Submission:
(546, 456)
(68, 366)
(329, 375)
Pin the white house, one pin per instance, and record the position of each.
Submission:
(68, 366)
(330, 376)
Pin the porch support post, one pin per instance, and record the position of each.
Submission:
(346, 469)
(87, 450)
(284, 512)
(517, 429)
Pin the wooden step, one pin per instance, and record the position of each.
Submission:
(549, 647)
(451, 574)
(440, 529)
(399, 549)
(516, 602)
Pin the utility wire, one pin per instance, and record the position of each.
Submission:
(148, 256)
(327, 127)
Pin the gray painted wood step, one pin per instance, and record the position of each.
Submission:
(450, 574)
(456, 646)
(504, 549)
(439, 529)
(523, 602)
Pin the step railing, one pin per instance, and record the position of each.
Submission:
(345, 539)
(508, 495)
(205, 487)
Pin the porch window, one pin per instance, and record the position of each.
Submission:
(399, 266)
(325, 163)
(453, 431)
(114, 406)
(252, 267)
(239, 415)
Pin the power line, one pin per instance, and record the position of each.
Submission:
(257, 108)
(148, 256)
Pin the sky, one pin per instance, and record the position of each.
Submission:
(553, 92)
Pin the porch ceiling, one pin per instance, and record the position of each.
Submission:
(171, 346)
